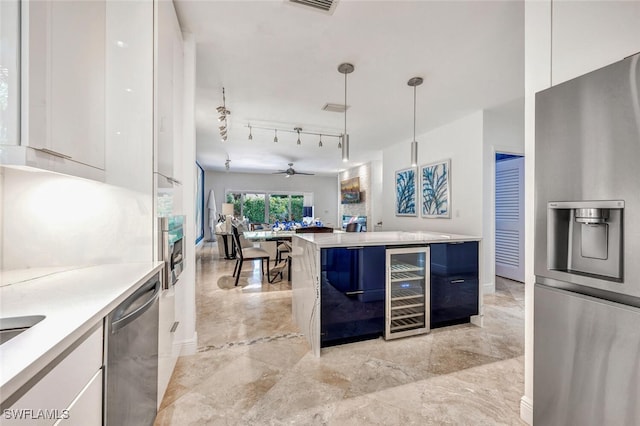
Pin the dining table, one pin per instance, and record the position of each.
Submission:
(268, 235)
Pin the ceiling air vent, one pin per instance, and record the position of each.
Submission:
(324, 5)
(334, 107)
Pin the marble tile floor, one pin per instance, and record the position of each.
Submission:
(253, 367)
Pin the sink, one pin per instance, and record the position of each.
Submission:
(11, 327)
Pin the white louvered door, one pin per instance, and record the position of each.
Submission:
(510, 219)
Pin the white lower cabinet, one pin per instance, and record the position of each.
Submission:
(67, 391)
(167, 353)
(86, 409)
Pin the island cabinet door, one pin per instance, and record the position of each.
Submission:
(454, 283)
(352, 294)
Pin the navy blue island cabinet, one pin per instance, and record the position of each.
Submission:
(454, 283)
(352, 297)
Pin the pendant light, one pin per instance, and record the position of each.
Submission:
(250, 135)
(345, 68)
(320, 142)
(275, 138)
(414, 82)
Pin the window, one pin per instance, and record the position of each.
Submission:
(254, 207)
(259, 207)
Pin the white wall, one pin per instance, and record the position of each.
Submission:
(461, 141)
(585, 36)
(324, 189)
(52, 220)
(503, 132)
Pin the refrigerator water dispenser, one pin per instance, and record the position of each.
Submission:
(585, 237)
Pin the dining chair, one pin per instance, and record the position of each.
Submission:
(248, 253)
(354, 227)
(278, 269)
(282, 249)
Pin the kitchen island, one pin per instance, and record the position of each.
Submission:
(451, 274)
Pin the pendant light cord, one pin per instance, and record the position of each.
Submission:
(414, 113)
(345, 104)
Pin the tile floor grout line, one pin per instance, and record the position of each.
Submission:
(265, 339)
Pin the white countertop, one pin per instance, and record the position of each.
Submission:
(382, 238)
(72, 303)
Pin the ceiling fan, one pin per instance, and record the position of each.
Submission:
(290, 172)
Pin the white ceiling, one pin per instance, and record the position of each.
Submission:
(278, 64)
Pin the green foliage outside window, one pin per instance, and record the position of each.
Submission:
(296, 207)
(253, 206)
(253, 209)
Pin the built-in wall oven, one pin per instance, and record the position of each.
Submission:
(171, 247)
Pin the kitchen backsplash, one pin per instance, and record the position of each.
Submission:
(51, 222)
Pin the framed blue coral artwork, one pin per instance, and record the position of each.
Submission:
(435, 186)
(406, 192)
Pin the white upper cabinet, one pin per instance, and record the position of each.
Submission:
(9, 71)
(63, 98)
(168, 85)
(169, 75)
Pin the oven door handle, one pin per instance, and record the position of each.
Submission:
(120, 321)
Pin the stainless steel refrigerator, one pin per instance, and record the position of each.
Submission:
(587, 250)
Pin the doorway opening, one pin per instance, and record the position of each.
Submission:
(509, 216)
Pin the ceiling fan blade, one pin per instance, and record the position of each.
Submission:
(279, 173)
(302, 173)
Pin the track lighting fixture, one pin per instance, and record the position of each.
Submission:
(226, 164)
(224, 112)
(297, 130)
(414, 82)
(345, 68)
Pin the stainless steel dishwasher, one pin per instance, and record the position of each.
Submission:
(131, 348)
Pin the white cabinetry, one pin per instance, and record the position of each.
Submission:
(168, 109)
(63, 87)
(70, 392)
(167, 352)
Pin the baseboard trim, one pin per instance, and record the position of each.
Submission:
(489, 288)
(477, 320)
(526, 410)
(188, 346)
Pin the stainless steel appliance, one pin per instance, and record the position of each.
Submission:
(171, 246)
(131, 348)
(407, 287)
(587, 250)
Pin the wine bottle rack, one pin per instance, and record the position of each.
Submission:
(407, 292)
